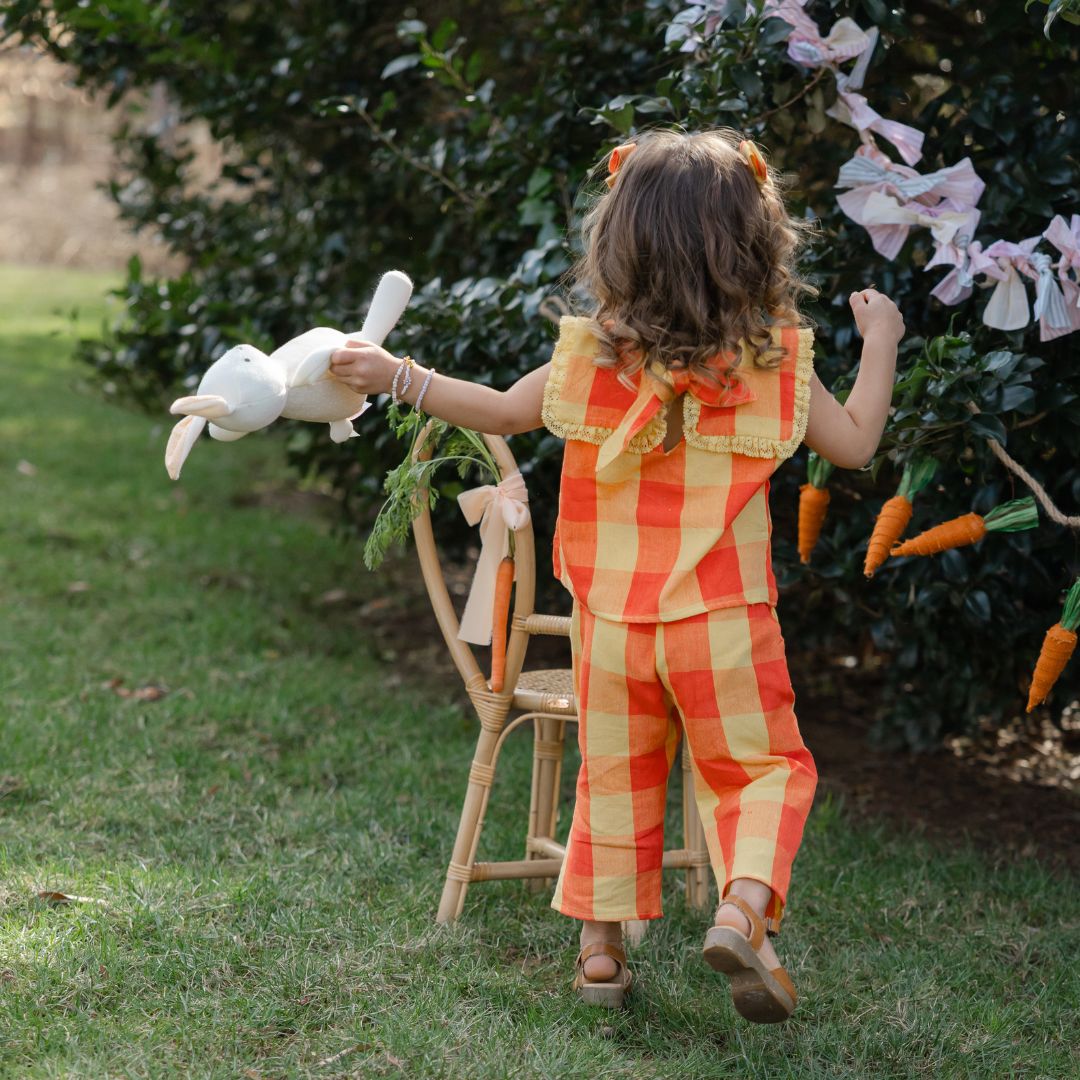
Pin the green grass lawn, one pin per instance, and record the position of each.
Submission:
(262, 849)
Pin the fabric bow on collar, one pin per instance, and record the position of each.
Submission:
(658, 386)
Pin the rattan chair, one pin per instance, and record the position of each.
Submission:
(544, 697)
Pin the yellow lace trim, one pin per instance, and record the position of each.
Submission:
(650, 436)
(576, 340)
(761, 446)
(573, 338)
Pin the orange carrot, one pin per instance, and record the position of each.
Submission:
(971, 528)
(891, 521)
(956, 532)
(1057, 647)
(501, 609)
(895, 514)
(813, 503)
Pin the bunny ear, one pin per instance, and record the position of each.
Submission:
(391, 297)
(181, 441)
(208, 406)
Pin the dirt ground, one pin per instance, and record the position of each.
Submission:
(1014, 793)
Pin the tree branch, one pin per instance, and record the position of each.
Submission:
(791, 101)
(411, 159)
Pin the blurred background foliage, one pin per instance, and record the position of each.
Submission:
(456, 141)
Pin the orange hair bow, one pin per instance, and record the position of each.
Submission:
(617, 160)
(749, 152)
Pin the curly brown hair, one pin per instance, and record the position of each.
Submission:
(686, 256)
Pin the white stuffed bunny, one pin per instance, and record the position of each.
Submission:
(246, 390)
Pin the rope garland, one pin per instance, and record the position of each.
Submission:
(1037, 489)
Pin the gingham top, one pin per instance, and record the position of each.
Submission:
(645, 535)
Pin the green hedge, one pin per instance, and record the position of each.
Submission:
(458, 150)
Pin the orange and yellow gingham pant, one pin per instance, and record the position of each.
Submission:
(721, 677)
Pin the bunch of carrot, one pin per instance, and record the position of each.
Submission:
(971, 528)
(1057, 648)
(813, 503)
(895, 514)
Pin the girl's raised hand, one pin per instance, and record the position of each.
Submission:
(876, 316)
(365, 368)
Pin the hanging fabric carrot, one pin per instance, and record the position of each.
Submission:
(971, 528)
(813, 503)
(1057, 647)
(504, 582)
(895, 514)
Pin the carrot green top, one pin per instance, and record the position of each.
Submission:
(1070, 616)
(818, 470)
(1013, 516)
(918, 472)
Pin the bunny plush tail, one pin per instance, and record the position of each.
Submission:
(181, 441)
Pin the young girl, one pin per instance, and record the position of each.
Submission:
(678, 396)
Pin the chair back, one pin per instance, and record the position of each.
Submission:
(435, 580)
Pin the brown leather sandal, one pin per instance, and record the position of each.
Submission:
(760, 994)
(609, 994)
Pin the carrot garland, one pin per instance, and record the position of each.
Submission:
(504, 581)
(1057, 647)
(896, 512)
(971, 528)
(813, 503)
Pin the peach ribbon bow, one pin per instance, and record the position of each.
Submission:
(658, 386)
(498, 508)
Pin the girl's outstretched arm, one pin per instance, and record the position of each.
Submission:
(369, 369)
(848, 435)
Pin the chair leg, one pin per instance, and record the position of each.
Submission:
(549, 733)
(458, 874)
(697, 877)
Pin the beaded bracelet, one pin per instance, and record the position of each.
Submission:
(423, 389)
(406, 366)
(394, 384)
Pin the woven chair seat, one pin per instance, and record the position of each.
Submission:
(548, 690)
